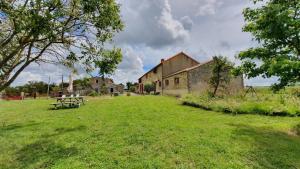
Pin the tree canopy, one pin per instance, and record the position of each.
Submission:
(51, 30)
(275, 25)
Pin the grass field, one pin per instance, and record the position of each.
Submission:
(142, 132)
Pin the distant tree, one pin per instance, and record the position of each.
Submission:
(128, 85)
(50, 30)
(221, 73)
(82, 83)
(107, 64)
(275, 26)
(132, 89)
(149, 88)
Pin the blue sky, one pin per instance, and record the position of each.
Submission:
(156, 29)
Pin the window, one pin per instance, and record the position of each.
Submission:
(167, 82)
(155, 70)
(159, 83)
(146, 76)
(97, 81)
(176, 80)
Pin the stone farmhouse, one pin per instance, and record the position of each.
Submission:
(181, 75)
(97, 84)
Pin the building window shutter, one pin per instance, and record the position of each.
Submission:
(176, 80)
(167, 82)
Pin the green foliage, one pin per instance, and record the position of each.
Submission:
(276, 26)
(30, 87)
(82, 83)
(93, 94)
(149, 88)
(57, 31)
(221, 74)
(136, 132)
(129, 85)
(282, 104)
(132, 89)
(109, 61)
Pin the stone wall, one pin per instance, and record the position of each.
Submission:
(176, 89)
(153, 77)
(198, 81)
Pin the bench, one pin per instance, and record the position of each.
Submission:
(65, 105)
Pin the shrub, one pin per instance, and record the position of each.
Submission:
(128, 94)
(149, 88)
(93, 94)
(132, 89)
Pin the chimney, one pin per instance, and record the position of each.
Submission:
(162, 60)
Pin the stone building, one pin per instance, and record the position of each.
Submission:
(182, 74)
(105, 86)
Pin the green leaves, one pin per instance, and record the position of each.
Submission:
(276, 26)
(108, 61)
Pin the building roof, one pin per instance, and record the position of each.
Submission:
(188, 69)
(170, 58)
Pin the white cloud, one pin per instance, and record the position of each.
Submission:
(174, 27)
(151, 23)
(208, 7)
(26, 77)
(131, 67)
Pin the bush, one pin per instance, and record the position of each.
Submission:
(93, 94)
(128, 94)
(149, 88)
(132, 89)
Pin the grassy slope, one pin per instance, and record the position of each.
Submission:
(142, 132)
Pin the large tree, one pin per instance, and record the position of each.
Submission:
(51, 31)
(275, 25)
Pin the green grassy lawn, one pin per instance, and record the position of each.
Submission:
(142, 132)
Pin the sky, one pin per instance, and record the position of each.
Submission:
(157, 29)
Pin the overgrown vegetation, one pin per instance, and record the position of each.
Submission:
(264, 102)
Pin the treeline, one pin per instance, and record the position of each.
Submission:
(42, 87)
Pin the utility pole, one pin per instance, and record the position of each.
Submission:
(48, 90)
(62, 84)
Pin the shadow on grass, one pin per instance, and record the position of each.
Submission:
(269, 148)
(62, 130)
(42, 154)
(11, 127)
(45, 152)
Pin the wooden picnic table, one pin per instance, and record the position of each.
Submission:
(68, 102)
(79, 99)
